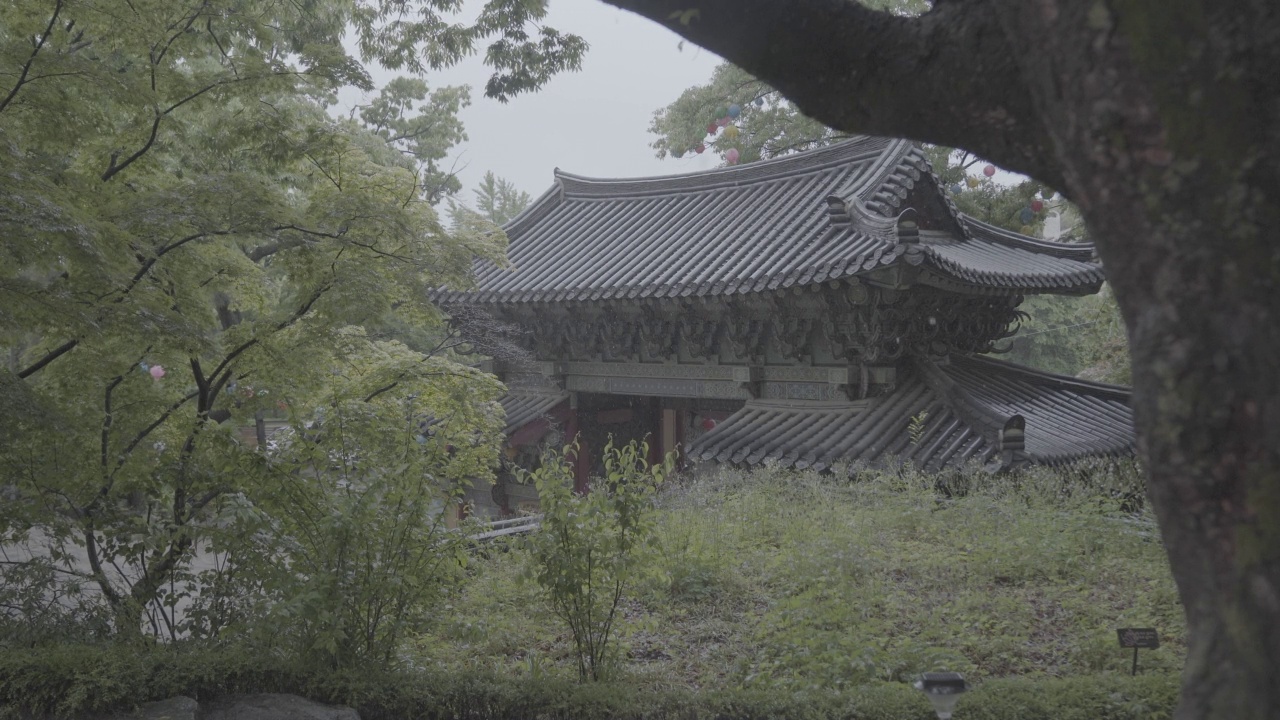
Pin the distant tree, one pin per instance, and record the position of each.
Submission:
(498, 200)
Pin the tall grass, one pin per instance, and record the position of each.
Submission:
(798, 581)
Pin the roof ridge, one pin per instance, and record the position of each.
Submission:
(836, 154)
(977, 414)
(1070, 251)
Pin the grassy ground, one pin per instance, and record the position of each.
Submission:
(785, 580)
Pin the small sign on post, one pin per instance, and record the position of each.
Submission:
(1138, 638)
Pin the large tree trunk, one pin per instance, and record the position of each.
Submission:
(1161, 119)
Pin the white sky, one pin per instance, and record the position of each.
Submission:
(593, 122)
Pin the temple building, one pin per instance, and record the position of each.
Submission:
(823, 309)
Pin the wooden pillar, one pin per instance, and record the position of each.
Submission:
(581, 462)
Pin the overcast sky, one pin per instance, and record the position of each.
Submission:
(593, 122)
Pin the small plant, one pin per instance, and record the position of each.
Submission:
(589, 548)
(915, 429)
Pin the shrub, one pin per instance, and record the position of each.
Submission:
(588, 548)
(70, 680)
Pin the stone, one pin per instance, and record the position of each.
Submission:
(273, 707)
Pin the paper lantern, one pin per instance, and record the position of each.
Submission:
(708, 424)
(731, 131)
(712, 128)
(956, 189)
(145, 367)
(722, 111)
(759, 102)
(1026, 216)
(1026, 229)
(157, 371)
(989, 170)
(972, 182)
(734, 111)
(699, 148)
(677, 154)
(731, 156)
(1037, 205)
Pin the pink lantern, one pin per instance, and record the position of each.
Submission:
(157, 371)
(731, 156)
(1037, 205)
(708, 424)
(989, 170)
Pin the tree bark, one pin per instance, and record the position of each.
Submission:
(1161, 120)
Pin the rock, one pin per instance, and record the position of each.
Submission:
(273, 707)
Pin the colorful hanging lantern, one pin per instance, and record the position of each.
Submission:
(1026, 216)
(760, 102)
(699, 148)
(972, 182)
(731, 156)
(989, 170)
(721, 111)
(145, 367)
(731, 131)
(1037, 205)
(677, 154)
(734, 111)
(708, 424)
(956, 189)
(712, 128)
(1026, 229)
(156, 371)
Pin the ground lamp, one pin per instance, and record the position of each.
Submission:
(943, 690)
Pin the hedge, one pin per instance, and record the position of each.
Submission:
(73, 681)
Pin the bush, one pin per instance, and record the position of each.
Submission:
(589, 547)
(71, 680)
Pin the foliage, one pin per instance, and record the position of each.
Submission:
(177, 200)
(792, 581)
(347, 547)
(589, 547)
(769, 126)
(498, 200)
(77, 680)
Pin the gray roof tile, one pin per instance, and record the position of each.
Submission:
(965, 403)
(801, 219)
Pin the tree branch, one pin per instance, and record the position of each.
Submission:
(26, 68)
(947, 77)
(49, 357)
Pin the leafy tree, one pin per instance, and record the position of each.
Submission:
(1159, 121)
(498, 200)
(588, 549)
(192, 240)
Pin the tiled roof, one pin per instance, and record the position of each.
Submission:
(804, 218)
(522, 409)
(959, 408)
